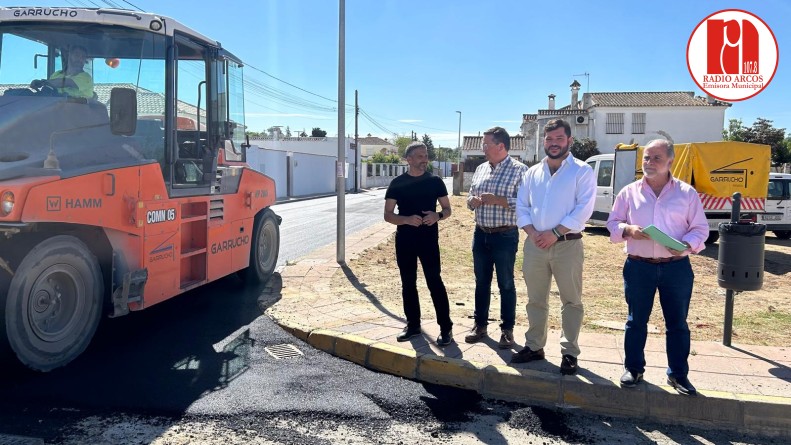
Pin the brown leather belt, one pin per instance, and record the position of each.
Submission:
(496, 229)
(570, 236)
(655, 260)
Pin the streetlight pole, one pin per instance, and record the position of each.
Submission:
(340, 180)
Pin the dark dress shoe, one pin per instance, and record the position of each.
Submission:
(445, 338)
(408, 333)
(630, 379)
(527, 355)
(682, 385)
(568, 365)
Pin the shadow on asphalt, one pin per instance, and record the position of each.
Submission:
(159, 360)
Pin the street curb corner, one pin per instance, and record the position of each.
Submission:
(353, 348)
(451, 372)
(323, 339)
(294, 328)
(393, 360)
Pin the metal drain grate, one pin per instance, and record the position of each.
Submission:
(283, 351)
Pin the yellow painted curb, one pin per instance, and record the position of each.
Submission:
(712, 408)
(521, 385)
(603, 396)
(392, 360)
(766, 414)
(353, 348)
(296, 329)
(323, 339)
(450, 371)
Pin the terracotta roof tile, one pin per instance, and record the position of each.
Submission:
(373, 140)
(473, 143)
(653, 99)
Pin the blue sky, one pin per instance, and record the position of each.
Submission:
(416, 62)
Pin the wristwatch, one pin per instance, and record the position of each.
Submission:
(557, 234)
(441, 215)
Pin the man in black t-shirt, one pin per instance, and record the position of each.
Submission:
(416, 193)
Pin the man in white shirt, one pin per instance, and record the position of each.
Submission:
(555, 200)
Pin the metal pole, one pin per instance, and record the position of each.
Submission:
(726, 333)
(340, 182)
(728, 323)
(458, 144)
(357, 153)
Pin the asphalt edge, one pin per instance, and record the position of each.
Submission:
(761, 415)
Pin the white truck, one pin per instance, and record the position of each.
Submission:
(778, 206)
(715, 169)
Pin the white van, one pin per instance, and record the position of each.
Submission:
(603, 166)
(778, 206)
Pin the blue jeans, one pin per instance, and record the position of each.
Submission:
(674, 282)
(495, 251)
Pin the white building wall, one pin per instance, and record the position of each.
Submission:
(682, 124)
(316, 146)
(313, 164)
(370, 150)
(312, 174)
(272, 164)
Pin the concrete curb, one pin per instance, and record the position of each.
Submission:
(743, 412)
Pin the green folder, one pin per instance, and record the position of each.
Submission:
(663, 238)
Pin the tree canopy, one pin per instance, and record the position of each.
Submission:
(432, 154)
(318, 133)
(402, 142)
(583, 148)
(761, 132)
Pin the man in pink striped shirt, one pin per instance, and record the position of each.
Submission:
(674, 207)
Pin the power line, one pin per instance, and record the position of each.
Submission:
(291, 85)
(290, 100)
(136, 7)
(415, 125)
(375, 123)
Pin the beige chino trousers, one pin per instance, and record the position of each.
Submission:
(563, 261)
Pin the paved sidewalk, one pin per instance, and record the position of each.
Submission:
(741, 387)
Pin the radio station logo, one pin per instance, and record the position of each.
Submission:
(732, 55)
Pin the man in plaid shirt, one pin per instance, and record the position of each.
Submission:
(496, 239)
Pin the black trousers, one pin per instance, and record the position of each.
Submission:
(421, 244)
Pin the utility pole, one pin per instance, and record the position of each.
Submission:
(357, 153)
(458, 145)
(340, 180)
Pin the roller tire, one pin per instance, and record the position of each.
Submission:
(264, 249)
(53, 304)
